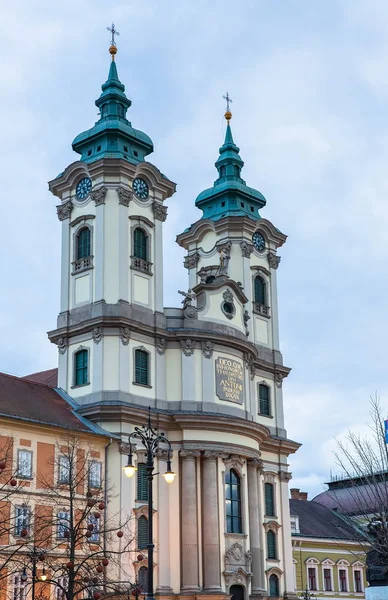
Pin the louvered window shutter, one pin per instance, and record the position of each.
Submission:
(141, 367)
(264, 400)
(271, 545)
(140, 244)
(142, 482)
(260, 290)
(142, 532)
(81, 367)
(269, 500)
(83, 243)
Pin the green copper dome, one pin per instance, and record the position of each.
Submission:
(230, 196)
(113, 135)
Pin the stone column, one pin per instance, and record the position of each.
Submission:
(210, 524)
(190, 567)
(258, 583)
(288, 568)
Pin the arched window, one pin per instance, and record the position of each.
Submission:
(264, 400)
(81, 367)
(142, 482)
(142, 532)
(142, 578)
(269, 498)
(83, 243)
(274, 586)
(140, 244)
(271, 545)
(141, 367)
(260, 290)
(237, 592)
(233, 502)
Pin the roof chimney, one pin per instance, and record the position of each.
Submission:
(296, 494)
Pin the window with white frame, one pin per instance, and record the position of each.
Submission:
(95, 537)
(327, 579)
(19, 591)
(61, 588)
(24, 469)
(95, 474)
(358, 587)
(343, 580)
(294, 524)
(312, 573)
(22, 519)
(63, 524)
(64, 469)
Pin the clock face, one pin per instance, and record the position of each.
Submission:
(140, 188)
(83, 188)
(258, 241)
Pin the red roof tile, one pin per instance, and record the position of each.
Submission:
(24, 399)
(49, 377)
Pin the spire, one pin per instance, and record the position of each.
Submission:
(123, 141)
(230, 195)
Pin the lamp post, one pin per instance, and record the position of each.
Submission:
(35, 555)
(151, 441)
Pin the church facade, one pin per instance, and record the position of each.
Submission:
(211, 370)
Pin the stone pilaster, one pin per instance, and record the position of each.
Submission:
(289, 583)
(210, 524)
(258, 581)
(190, 566)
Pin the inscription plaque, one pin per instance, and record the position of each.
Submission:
(229, 380)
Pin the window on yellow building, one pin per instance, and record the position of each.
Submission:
(312, 574)
(342, 580)
(327, 580)
(357, 581)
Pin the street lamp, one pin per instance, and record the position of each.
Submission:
(151, 440)
(35, 555)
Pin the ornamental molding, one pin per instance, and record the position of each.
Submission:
(246, 317)
(125, 195)
(188, 346)
(97, 335)
(238, 576)
(271, 526)
(255, 463)
(235, 553)
(279, 379)
(163, 454)
(207, 348)
(62, 345)
(191, 260)
(206, 272)
(274, 571)
(249, 362)
(98, 196)
(125, 335)
(160, 211)
(285, 476)
(125, 448)
(273, 260)
(142, 511)
(234, 461)
(213, 455)
(185, 454)
(269, 477)
(224, 252)
(246, 249)
(64, 210)
(160, 345)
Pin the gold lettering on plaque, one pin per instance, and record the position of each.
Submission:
(229, 380)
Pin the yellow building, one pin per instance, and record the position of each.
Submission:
(329, 560)
(40, 436)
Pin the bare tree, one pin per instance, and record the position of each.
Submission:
(70, 542)
(361, 493)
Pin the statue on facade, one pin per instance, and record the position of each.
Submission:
(224, 261)
(188, 297)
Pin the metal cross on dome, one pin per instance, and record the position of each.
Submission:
(228, 100)
(113, 32)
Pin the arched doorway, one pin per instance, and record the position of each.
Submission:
(237, 592)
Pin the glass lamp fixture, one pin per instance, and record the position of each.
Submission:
(129, 469)
(24, 576)
(43, 576)
(169, 475)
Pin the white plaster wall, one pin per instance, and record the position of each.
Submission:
(213, 312)
(111, 362)
(174, 374)
(111, 248)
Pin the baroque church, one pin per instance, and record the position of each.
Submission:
(211, 370)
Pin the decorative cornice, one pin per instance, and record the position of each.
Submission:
(141, 219)
(81, 219)
(160, 211)
(233, 461)
(98, 195)
(184, 454)
(125, 335)
(221, 282)
(191, 260)
(271, 526)
(246, 249)
(160, 345)
(273, 260)
(249, 362)
(279, 379)
(64, 210)
(207, 348)
(285, 476)
(213, 454)
(125, 195)
(62, 345)
(262, 269)
(255, 463)
(188, 346)
(97, 335)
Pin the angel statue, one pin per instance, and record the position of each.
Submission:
(188, 297)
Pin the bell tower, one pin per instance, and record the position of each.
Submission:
(112, 212)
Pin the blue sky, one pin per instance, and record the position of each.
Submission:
(309, 82)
